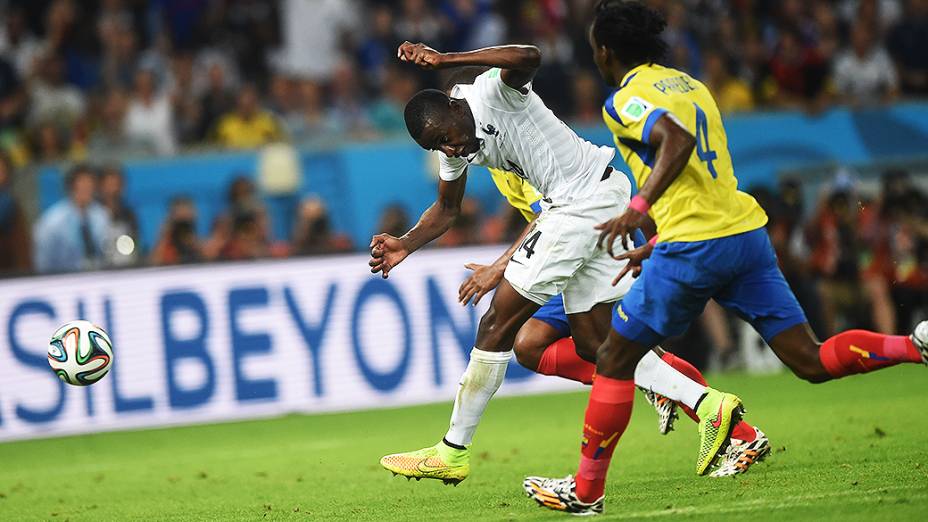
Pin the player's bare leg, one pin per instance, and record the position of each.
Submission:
(847, 353)
(449, 460)
(533, 339)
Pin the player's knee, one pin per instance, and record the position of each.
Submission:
(802, 358)
(812, 372)
(491, 331)
(616, 363)
(528, 352)
(585, 349)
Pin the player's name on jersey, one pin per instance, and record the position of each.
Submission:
(679, 84)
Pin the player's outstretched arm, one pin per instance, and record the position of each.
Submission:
(388, 251)
(488, 277)
(518, 62)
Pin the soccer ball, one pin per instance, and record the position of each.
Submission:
(80, 352)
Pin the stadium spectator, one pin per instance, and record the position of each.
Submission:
(119, 45)
(394, 220)
(72, 234)
(864, 73)
(17, 41)
(248, 126)
(378, 48)
(312, 31)
(217, 99)
(798, 72)
(282, 96)
(48, 143)
(731, 93)
(386, 114)
(111, 196)
(312, 232)
(896, 234)
(108, 141)
(149, 120)
(313, 122)
(246, 239)
(418, 22)
(348, 110)
(178, 243)
(15, 241)
(587, 98)
(188, 113)
(834, 244)
(51, 98)
(908, 41)
(12, 97)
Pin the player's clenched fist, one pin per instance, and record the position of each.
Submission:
(386, 252)
(419, 54)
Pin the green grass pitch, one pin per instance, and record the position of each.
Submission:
(850, 450)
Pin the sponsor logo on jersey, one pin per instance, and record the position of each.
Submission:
(635, 108)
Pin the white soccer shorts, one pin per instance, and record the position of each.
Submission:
(559, 255)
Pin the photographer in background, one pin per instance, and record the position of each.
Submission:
(179, 243)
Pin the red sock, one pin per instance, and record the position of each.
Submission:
(607, 416)
(860, 351)
(742, 430)
(561, 359)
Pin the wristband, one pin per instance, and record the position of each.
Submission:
(653, 240)
(639, 204)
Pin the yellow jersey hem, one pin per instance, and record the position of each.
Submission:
(715, 234)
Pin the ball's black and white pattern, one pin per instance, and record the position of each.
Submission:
(80, 352)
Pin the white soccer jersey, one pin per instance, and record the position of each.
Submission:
(518, 133)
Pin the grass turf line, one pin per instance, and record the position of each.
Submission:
(850, 450)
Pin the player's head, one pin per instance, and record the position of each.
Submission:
(438, 122)
(625, 34)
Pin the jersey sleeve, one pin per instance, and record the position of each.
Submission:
(494, 92)
(532, 197)
(630, 114)
(450, 169)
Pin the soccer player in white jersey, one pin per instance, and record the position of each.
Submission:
(499, 122)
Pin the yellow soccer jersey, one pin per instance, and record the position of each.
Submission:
(518, 192)
(704, 201)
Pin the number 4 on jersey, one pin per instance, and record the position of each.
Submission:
(703, 152)
(529, 244)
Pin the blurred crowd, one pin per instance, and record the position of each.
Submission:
(91, 80)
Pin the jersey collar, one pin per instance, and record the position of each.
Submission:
(631, 74)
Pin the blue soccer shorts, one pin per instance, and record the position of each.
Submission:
(740, 272)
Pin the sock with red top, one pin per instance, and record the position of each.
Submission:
(742, 430)
(607, 416)
(860, 351)
(561, 359)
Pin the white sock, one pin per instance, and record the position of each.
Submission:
(481, 379)
(656, 375)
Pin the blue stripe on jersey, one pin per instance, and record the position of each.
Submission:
(610, 108)
(645, 152)
(649, 123)
(610, 101)
(634, 183)
(536, 207)
(638, 238)
(627, 80)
